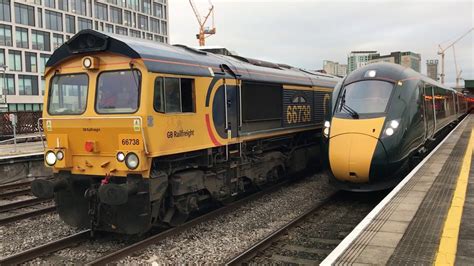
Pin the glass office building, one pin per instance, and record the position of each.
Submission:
(30, 30)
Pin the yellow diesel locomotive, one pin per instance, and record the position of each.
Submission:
(141, 133)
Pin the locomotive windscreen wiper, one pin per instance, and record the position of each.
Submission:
(351, 111)
(346, 108)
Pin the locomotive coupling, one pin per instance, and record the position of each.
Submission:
(44, 189)
(117, 194)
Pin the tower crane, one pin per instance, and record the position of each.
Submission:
(204, 32)
(458, 72)
(442, 50)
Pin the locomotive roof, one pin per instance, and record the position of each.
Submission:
(179, 59)
(392, 72)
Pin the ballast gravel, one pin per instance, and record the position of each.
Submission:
(214, 241)
(25, 234)
(219, 239)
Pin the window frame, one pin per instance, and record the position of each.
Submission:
(19, 41)
(193, 95)
(30, 65)
(21, 83)
(118, 70)
(15, 53)
(365, 115)
(50, 87)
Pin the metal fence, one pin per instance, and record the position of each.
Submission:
(27, 122)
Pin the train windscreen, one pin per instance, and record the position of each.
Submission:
(365, 97)
(68, 94)
(118, 92)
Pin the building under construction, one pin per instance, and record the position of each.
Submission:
(432, 69)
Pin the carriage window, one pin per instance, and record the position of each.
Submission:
(118, 92)
(158, 102)
(68, 94)
(174, 95)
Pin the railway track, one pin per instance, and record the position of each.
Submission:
(28, 214)
(22, 204)
(15, 193)
(35, 206)
(15, 185)
(17, 189)
(137, 246)
(50, 247)
(310, 237)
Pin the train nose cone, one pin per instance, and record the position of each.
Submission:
(350, 157)
(352, 146)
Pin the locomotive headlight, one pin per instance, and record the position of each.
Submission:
(50, 158)
(394, 124)
(389, 131)
(370, 74)
(132, 161)
(60, 155)
(87, 62)
(391, 127)
(120, 157)
(327, 125)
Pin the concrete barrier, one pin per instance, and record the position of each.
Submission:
(17, 171)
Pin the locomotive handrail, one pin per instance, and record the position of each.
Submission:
(98, 118)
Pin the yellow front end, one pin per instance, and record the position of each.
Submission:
(92, 143)
(93, 146)
(352, 143)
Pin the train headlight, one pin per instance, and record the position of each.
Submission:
(90, 63)
(327, 125)
(87, 63)
(370, 74)
(394, 124)
(391, 127)
(50, 158)
(60, 155)
(132, 161)
(120, 157)
(389, 131)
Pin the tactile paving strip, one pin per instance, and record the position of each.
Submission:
(421, 239)
(465, 251)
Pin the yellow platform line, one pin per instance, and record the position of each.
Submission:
(446, 254)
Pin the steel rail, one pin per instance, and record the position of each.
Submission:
(269, 240)
(15, 185)
(22, 204)
(15, 193)
(10, 186)
(143, 244)
(25, 215)
(47, 248)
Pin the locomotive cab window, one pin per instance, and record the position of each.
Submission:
(118, 92)
(365, 97)
(174, 95)
(68, 94)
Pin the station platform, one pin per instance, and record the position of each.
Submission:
(427, 219)
(9, 151)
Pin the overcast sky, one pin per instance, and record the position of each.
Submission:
(303, 33)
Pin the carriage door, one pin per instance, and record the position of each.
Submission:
(429, 111)
(232, 107)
